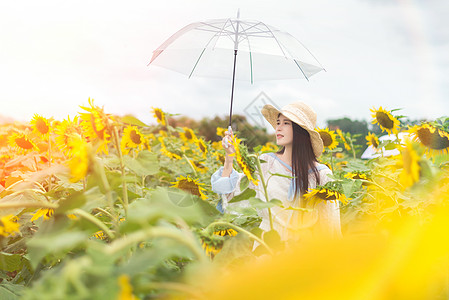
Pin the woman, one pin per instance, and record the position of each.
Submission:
(301, 145)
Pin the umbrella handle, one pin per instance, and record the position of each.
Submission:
(226, 145)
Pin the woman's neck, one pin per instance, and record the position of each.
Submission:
(286, 156)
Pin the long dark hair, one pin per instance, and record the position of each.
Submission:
(303, 160)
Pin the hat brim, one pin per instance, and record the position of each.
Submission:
(271, 114)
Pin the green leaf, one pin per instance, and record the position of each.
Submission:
(131, 120)
(349, 187)
(299, 209)
(244, 182)
(10, 262)
(145, 164)
(273, 239)
(10, 291)
(259, 204)
(246, 194)
(75, 200)
(281, 175)
(42, 245)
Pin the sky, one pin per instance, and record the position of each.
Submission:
(55, 55)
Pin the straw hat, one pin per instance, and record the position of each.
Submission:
(301, 114)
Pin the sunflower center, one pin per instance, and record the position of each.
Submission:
(188, 135)
(384, 120)
(158, 115)
(325, 196)
(433, 140)
(190, 187)
(23, 143)
(135, 137)
(42, 126)
(202, 148)
(327, 138)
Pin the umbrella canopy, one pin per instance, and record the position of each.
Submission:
(210, 49)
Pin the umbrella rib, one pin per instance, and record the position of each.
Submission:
(300, 69)
(197, 61)
(280, 47)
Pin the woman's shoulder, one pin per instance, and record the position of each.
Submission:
(322, 168)
(267, 156)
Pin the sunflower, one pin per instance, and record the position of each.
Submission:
(160, 116)
(410, 164)
(221, 131)
(269, 147)
(133, 138)
(343, 139)
(216, 145)
(9, 226)
(372, 140)
(21, 142)
(202, 146)
(244, 162)
(97, 125)
(435, 139)
(356, 175)
(66, 130)
(79, 162)
(189, 185)
(385, 120)
(210, 249)
(322, 193)
(40, 125)
(219, 156)
(329, 138)
(43, 212)
(165, 151)
(226, 232)
(126, 289)
(199, 167)
(188, 135)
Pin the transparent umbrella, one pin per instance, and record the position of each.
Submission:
(244, 49)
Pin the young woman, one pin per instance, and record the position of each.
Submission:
(301, 145)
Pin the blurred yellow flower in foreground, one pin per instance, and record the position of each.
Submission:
(126, 289)
(9, 226)
(42, 212)
(410, 263)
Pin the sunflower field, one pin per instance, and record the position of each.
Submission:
(100, 206)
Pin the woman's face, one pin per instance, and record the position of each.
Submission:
(284, 131)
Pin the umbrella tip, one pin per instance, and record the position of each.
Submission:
(238, 13)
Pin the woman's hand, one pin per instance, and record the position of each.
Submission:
(226, 142)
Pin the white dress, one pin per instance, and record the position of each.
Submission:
(323, 218)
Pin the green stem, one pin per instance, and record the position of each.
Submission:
(352, 148)
(239, 229)
(155, 232)
(264, 185)
(122, 169)
(191, 165)
(108, 190)
(93, 220)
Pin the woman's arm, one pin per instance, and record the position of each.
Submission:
(230, 150)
